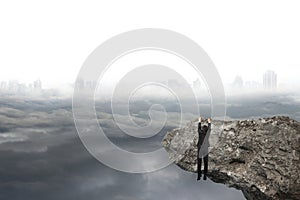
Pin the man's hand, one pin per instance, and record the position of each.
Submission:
(200, 118)
(209, 120)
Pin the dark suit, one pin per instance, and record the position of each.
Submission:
(203, 144)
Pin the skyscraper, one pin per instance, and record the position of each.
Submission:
(270, 80)
(37, 85)
(238, 82)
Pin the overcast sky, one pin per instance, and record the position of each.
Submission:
(50, 40)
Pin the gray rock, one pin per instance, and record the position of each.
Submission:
(259, 157)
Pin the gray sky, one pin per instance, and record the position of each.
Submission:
(51, 40)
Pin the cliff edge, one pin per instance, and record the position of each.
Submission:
(259, 157)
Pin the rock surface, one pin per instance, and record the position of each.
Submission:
(259, 157)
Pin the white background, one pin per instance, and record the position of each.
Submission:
(50, 40)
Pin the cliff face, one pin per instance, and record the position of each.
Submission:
(259, 157)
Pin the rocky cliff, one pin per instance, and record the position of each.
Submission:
(259, 157)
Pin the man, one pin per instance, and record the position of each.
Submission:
(203, 144)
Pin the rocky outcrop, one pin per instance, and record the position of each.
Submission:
(259, 157)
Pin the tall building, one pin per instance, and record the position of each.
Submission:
(37, 87)
(37, 84)
(13, 86)
(3, 85)
(270, 80)
(238, 82)
(79, 84)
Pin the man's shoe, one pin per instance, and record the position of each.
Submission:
(204, 178)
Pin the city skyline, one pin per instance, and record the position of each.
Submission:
(48, 84)
(268, 82)
(81, 83)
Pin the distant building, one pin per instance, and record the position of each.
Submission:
(238, 82)
(13, 86)
(270, 80)
(3, 85)
(37, 85)
(90, 84)
(79, 84)
(85, 84)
